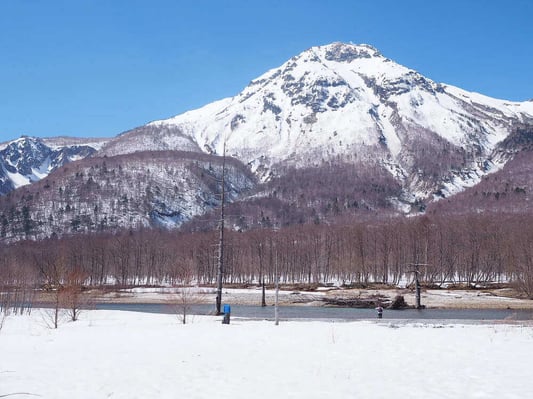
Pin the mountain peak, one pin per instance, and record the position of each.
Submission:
(24, 142)
(347, 102)
(348, 52)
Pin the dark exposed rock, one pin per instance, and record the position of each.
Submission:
(341, 52)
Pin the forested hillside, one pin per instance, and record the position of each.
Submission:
(152, 189)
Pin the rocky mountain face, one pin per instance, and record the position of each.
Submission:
(339, 130)
(28, 159)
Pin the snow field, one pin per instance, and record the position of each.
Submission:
(113, 354)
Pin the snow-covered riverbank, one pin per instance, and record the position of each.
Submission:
(114, 354)
(436, 298)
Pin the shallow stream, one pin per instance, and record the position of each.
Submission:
(328, 313)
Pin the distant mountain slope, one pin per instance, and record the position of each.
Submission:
(28, 159)
(335, 193)
(150, 138)
(509, 190)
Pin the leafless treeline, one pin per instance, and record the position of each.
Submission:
(468, 251)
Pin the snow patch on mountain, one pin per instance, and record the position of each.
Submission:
(468, 178)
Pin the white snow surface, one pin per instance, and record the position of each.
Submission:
(56, 143)
(18, 179)
(114, 354)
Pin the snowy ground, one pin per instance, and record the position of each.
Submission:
(114, 354)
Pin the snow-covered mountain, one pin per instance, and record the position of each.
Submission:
(28, 159)
(349, 103)
(338, 131)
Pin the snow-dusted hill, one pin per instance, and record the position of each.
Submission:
(347, 102)
(158, 189)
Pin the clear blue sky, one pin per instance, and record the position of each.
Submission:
(96, 68)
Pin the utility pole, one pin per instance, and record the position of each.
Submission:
(220, 272)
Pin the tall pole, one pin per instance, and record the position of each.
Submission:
(276, 298)
(417, 288)
(416, 271)
(220, 272)
(262, 276)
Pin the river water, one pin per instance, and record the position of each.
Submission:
(334, 314)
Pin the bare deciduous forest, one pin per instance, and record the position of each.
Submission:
(464, 251)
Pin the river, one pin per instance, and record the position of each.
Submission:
(333, 314)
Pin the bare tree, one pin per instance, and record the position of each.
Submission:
(65, 286)
(186, 295)
(523, 259)
(72, 296)
(182, 301)
(16, 287)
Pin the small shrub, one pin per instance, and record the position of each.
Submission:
(398, 303)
